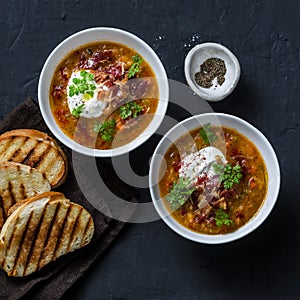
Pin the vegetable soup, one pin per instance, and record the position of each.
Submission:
(103, 95)
(212, 191)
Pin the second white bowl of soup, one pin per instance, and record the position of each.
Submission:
(214, 178)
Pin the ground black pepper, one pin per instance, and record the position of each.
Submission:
(212, 68)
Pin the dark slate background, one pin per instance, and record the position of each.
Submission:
(149, 261)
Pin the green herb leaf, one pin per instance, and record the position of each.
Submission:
(221, 218)
(136, 66)
(219, 169)
(73, 90)
(83, 85)
(179, 193)
(106, 129)
(76, 80)
(76, 112)
(90, 77)
(207, 134)
(130, 109)
(83, 74)
(229, 175)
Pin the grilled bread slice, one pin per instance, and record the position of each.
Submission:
(35, 149)
(40, 230)
(18, 182)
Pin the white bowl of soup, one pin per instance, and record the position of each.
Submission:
(214, 178)
(103, 92)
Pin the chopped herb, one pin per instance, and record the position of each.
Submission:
(229, 175)
(136, 66)
(130, 109)
(219, 169)
(90, 76)
(86, 96)
(179, 193)
(73, 90)
(221, 218)
(106, 129)
(76, 112)
(84, 85)
(207, 134)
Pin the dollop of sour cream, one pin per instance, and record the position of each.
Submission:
(199, 164)
(92, 108)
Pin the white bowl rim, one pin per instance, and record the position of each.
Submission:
(190, 82)
(220, 238)
(142, 138)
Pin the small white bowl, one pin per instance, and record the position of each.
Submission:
(94, 35)
(197, 56)
(253, 135)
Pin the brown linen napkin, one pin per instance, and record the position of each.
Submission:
(53, 280)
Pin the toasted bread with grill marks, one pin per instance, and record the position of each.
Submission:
(40, 230)
(18, 182)
(35, 149)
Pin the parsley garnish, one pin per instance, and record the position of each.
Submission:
(179, 193)
(207, 134)
(136, 66)
(219, 169)
(221, 218)
(130, 109)
(84, 85)
(76, 112)
(106, 129)
(229, 175)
